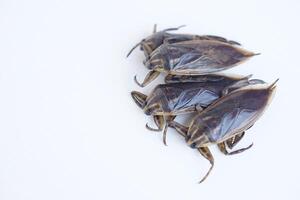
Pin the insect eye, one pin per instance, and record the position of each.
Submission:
(193, 145)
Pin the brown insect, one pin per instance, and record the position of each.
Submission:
(186, 94)
(225, 121)
(193, 57)
(149, 44)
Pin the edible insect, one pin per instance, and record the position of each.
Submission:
(166, 101)
(149, 44)
(226, 120)
(194, 57)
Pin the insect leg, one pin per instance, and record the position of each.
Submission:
(149, 78)
(168, 120)
(159, 121)
(223, 149)
(133, 48)
(146, 46)
(139, 98)
(231, 142)
(205, 152)
(162, 122)
(181, 129)
(241, 150)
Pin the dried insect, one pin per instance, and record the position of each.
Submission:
(149, 44)
(226, 120)
(166, 101)
(195, 57)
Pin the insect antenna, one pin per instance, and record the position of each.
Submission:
(175, 29)
(155, 28)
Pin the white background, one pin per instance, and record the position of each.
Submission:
(70, 130)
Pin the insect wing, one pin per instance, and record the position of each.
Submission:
(233, 122)
(194, 97)
(189, 57)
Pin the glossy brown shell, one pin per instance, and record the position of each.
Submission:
(196, 57)
(230, 115)
(184, 97)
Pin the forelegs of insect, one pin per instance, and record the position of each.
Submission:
(147, 49)
(223, 149)
(205, 152)
(133, 48)
(162, 123)
(169, 119)
(231, 142)
(149, 78)
(159, 121)
(139, 98)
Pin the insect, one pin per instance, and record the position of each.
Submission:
(181, 96)
(226, 120)
(194, 57)
(149, 44)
